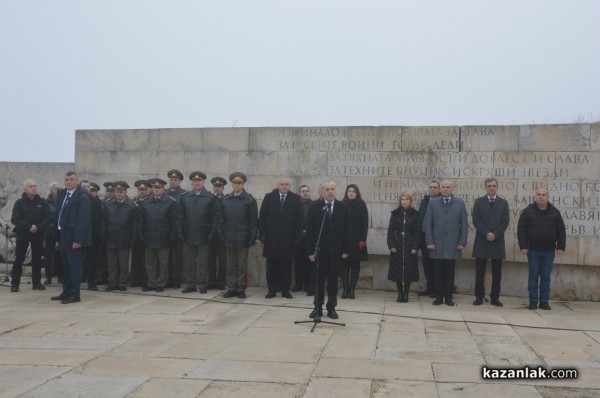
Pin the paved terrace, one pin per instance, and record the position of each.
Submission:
(173, 345)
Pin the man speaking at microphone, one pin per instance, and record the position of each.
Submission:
(334, 245)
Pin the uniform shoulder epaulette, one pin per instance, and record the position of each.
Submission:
(172, 198)
(184, 193)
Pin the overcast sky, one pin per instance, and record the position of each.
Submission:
(73, 64)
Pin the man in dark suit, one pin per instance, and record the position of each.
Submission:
(217, 254)
(280, 225)
(334, 246)
(490, 217)
(433, 191)
(446, 229)
(302, 267)
(176, 253)
(73, 222)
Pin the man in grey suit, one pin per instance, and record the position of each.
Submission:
(446, 229)
(490, 217)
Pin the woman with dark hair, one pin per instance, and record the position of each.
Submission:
(403, 238)
(359, 220)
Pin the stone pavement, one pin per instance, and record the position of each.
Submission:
(168, 344)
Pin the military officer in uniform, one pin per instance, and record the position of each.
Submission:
(118, 230)
(101, 267)
(217, 255)
(176, 254)
(138, 269)
(158, 226)
(240, 229)
(201, 218)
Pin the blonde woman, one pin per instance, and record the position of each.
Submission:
(403, 238)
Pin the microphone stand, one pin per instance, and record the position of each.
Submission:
(317, 310)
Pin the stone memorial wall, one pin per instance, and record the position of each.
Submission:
(384, 161)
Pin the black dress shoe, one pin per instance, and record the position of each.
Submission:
(38, 286)
(270, 294)
(533, 305)
(14, 289)
(241, 294)
(189, 289)
(497, 303)
(297, 288)
(287, 295)
(93, 288)
(438, 301)
(545, 306)
(332, 314)
(110, 288)
(59, 297)
(478, 301)
(450, 302)
(70, 300)
(230, 293)
(203, 290)
(316, 312)
(160, 289)
(48, 281)
(147, 288)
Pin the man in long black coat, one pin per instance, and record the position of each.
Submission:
(491, 218)
(280, 225)
(334, 245)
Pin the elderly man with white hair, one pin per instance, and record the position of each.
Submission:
(31, 217)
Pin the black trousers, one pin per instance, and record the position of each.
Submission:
(428, 264)
(444, 278)
(37, 250)
(303, 272)
(217, 265)
(332, 287)
(138, 267)
(90, 262)
(480, 265)
(279, 273)
(51, 258)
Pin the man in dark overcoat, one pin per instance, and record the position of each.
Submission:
(176, 254)
(201, 219)
(446, 227)
(217, 253)
(119, 232)
(490, 218)
(280, 225)
(334, 246)
(158, 229)
(138, 275)
(74, 231)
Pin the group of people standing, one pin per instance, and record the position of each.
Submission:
(440, 227)
(166, 238)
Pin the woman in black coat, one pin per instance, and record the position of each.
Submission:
(403, 238)
(359, 220)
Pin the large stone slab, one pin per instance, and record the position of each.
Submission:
(555, 137)
(92, 386)
(274, 372)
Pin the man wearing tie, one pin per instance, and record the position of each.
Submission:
(280, 224)
(73, 222)
(490, 217)
(446, 229)
(334, 246)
